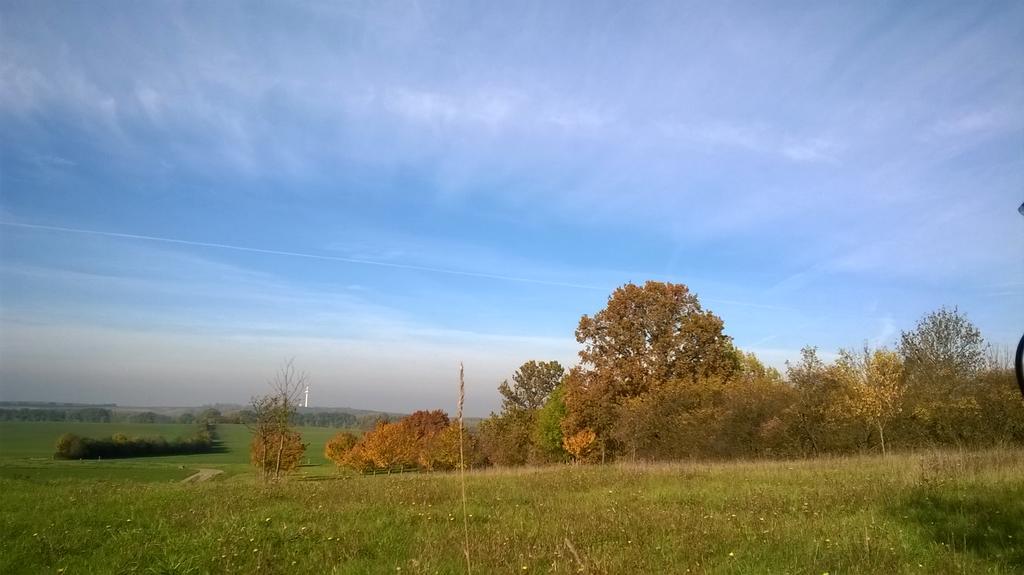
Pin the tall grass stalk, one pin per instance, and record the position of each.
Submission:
(462, 466)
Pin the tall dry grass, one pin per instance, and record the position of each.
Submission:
(462, 466)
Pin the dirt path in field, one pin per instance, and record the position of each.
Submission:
(202, 475)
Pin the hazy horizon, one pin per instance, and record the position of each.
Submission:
(192, 193)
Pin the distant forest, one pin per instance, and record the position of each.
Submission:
(105, 415)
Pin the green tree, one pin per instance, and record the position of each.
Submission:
(531, 386)
(942, 356)
(944, 348)
(547, 428)
(507, 438)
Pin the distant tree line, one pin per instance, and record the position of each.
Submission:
(87, 414)
(119, 445)
(52, 404)
(337, 419)
(210, 415)
(658, 379)
(326, 419)
(99, 415)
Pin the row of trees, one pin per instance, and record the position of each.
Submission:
(81, 414)
(301, 418)
(327, 419)
(659, 379)
(119, 445)
(105, 415)
(425, 440)
(212, 415)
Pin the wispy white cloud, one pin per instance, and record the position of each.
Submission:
(886, 331)
(861, 155)
(811, 150)
(758, 137)
(304, 255)
(489, 108)
(50, 161)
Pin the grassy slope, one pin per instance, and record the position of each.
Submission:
(929, 513)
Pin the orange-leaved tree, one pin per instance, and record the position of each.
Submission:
(276, 452)
(400, 445)
(579, 444)
(338, 447)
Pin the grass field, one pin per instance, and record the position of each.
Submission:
(26, 451)
(922, 513)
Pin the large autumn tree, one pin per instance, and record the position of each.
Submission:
(651, 345)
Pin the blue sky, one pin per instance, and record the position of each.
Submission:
(415, 184)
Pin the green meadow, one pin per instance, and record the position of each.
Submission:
(26, 451)
(930, 512)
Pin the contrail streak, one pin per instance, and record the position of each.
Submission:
(358, 261)
(341, 259)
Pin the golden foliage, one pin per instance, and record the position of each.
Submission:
(339, 446)
(276, 452)
(424, 440)
(878, 393)
(580, 444)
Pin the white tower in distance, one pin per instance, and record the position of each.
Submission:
(306, 402)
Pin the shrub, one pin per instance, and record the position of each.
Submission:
(71, 446)
(277, 452)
